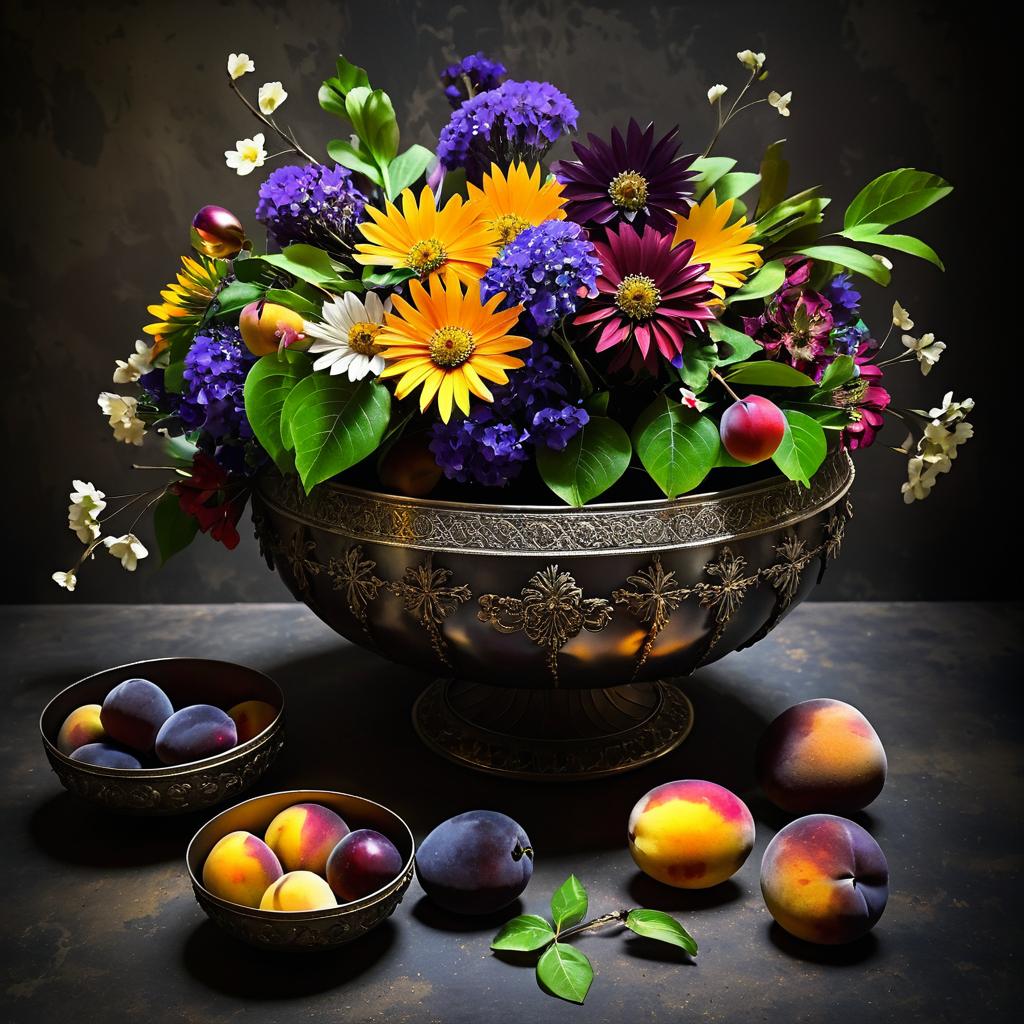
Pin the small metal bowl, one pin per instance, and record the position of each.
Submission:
(301, 931)
(180, 788)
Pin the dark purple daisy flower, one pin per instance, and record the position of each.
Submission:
(649, 292)
(632, 178)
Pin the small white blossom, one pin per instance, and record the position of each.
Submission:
(140, 362)
(951, 412)
(780, 102)
(901, 318)
(68, 580)
(271, 96)
(128, 548)
(247, 155)
(920, 480)
(688, 398)
(884, 260)
(927, 350)
(750, 60)
(120, 411)
(239, 64)
(716, 92)
(86, 504)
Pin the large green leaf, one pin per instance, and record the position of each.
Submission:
(895, 196)
(334, 424)
(267, 386)
(236, 296)
(851, 259)
(677, 446)
(565, 972)
(333, 92)
(291, 299)
(698, 362)
(355, 159)
(310, 264)
(734, 185)
(839, 371)
(174, 529)
(790, 216)
(774, 178)
(524, 934)
(589, 464)
(733, 345)
(766, 281)
(569, 903)
(653, 924)
(768, 373)
(874, 234)
(802, 449)
(373, 118)
(408, 167)
(711, 169)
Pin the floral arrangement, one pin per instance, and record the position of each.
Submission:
(471, 321)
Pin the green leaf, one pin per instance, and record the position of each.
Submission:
(293, 300)
(895, 196)
(802, 449)
(409, 167)
(589, 464)
(699, 359)
(711, 168)
(765, 282)
(774, 178)
(733, 345)
(334, 424)
(373, 118)
(236, 296)
(653, 924)
(267, 386)
(597, 403)
(343, 152)
(174, 528)
(828, 416)
(732, 186)
(677, 446)
(253, 269)
(852, 259)
(386, 278)
(180, 449)
(791, 215)
(873, 234)
(839, 371)
(524, 933)
(333, 92)
(569, 903)
(174, 375)
(768, 373)
(565, 972)
(307, 263)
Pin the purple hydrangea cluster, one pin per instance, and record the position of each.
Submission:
(491, 445)
(548, 269)
(845, 300)
(212, 399)
(315, 204)
(517, 121)
(483, 75)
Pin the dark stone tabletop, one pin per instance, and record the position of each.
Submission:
(100, 924)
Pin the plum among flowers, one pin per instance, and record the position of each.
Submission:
(752, 429)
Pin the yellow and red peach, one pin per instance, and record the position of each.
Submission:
(267, 326)
(752, 429)
(82, 726)
(821, 755)
(240, 868)
(251, 717)
(304, 835)
(298, 890)
(690, 834)
(825, 879)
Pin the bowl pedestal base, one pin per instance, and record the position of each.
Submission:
(552, 734)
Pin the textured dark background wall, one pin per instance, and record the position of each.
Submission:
(117, 116)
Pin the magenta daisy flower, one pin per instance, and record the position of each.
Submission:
(632, 178)
(647, 291)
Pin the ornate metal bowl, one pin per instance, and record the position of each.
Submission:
(180, 788)
(547, 625)
(308, 930)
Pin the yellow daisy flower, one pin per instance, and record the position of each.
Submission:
(510, 205)
(186, 299)
(428, 240)
(450, 343)
(722, 245)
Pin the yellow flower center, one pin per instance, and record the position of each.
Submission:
(628, 191)
(507, 226)
(426, 256)
(637, 296)
(451, 346)
(250, 154)
(360, 338)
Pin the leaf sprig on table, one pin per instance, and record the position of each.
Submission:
(562, 970)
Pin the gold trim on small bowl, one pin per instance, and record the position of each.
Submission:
(174, 789)
(301, 931)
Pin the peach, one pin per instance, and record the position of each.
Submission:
(251, 717)
(266, 326)
(752, 429)
(821, 755)
(824, 879)
(240, 868)
(298, 890)
(690, 834)
(82, 726)
(303, 837)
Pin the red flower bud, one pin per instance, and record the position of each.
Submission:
(217, 232)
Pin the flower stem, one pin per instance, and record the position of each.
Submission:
(725, 384)
(581, 372)
(722, 122)
(615, 917)
(290, 139)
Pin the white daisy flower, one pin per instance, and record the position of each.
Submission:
(344, 339)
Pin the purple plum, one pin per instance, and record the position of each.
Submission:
(133, 713)
(195, 732)
(362, 863)
(105, 755)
